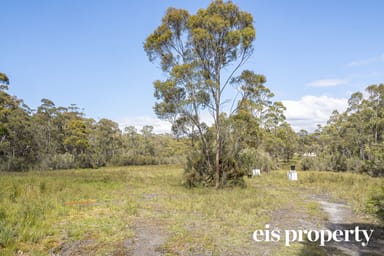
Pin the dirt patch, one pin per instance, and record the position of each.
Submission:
(335, 216)
(337, 212)
(341, 217)
(149, 239)
(82, 247)
(294, 218)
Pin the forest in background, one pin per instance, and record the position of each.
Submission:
(54, 137)
(122, 191)
(201, 55)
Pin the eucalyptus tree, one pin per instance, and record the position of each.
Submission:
(354, 140)
(376, 105)
(17, 148)
(106, 142)
(4, 80)
(193, 51)
(255, 95)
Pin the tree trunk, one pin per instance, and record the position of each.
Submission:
(218, 173)
(218, 154)
(218, 148)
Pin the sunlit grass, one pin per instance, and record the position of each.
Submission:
(356, 189)
(41, 211)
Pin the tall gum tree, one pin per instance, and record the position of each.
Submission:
(4, 81)
(194, 50)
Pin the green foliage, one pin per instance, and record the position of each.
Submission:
(199, 170)
(242, 149)
(62, 138)
(62, 161)
(310, 163)
(376, 201)
(107, 206)
(353, 140)
(251, 158)
(16, 144)
(4, 81)
(40, 210)
(193, 50)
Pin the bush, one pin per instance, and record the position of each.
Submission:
(197, 172)
(62, 161)
(376, 202)
(251, 158)
(309, 163)
(322, 162)
(355, 164)
(15, 164)
(374, 168)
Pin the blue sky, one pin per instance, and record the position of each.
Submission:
(90, 52)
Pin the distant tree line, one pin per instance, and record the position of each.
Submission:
(352, 140)
(255, 135)
(54, 137)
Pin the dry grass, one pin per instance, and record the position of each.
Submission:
(44, 212)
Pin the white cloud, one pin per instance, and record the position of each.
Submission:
(159, 126)
(327, 82)
(207, 118)
(305, 113)
(309, 111)
(367, 61)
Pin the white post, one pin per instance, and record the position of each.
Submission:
(292, 175)
(256, 172)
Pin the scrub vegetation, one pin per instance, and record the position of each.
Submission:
(105, 211)
(117, 188)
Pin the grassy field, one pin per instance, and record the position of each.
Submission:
(106, 211)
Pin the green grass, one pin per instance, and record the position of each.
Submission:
(45, 211)
(356, 189)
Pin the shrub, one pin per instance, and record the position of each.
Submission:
(62, 161)
(15, 164)
(251, 158)
(309, 163)
(376, 202)
(355, 164)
